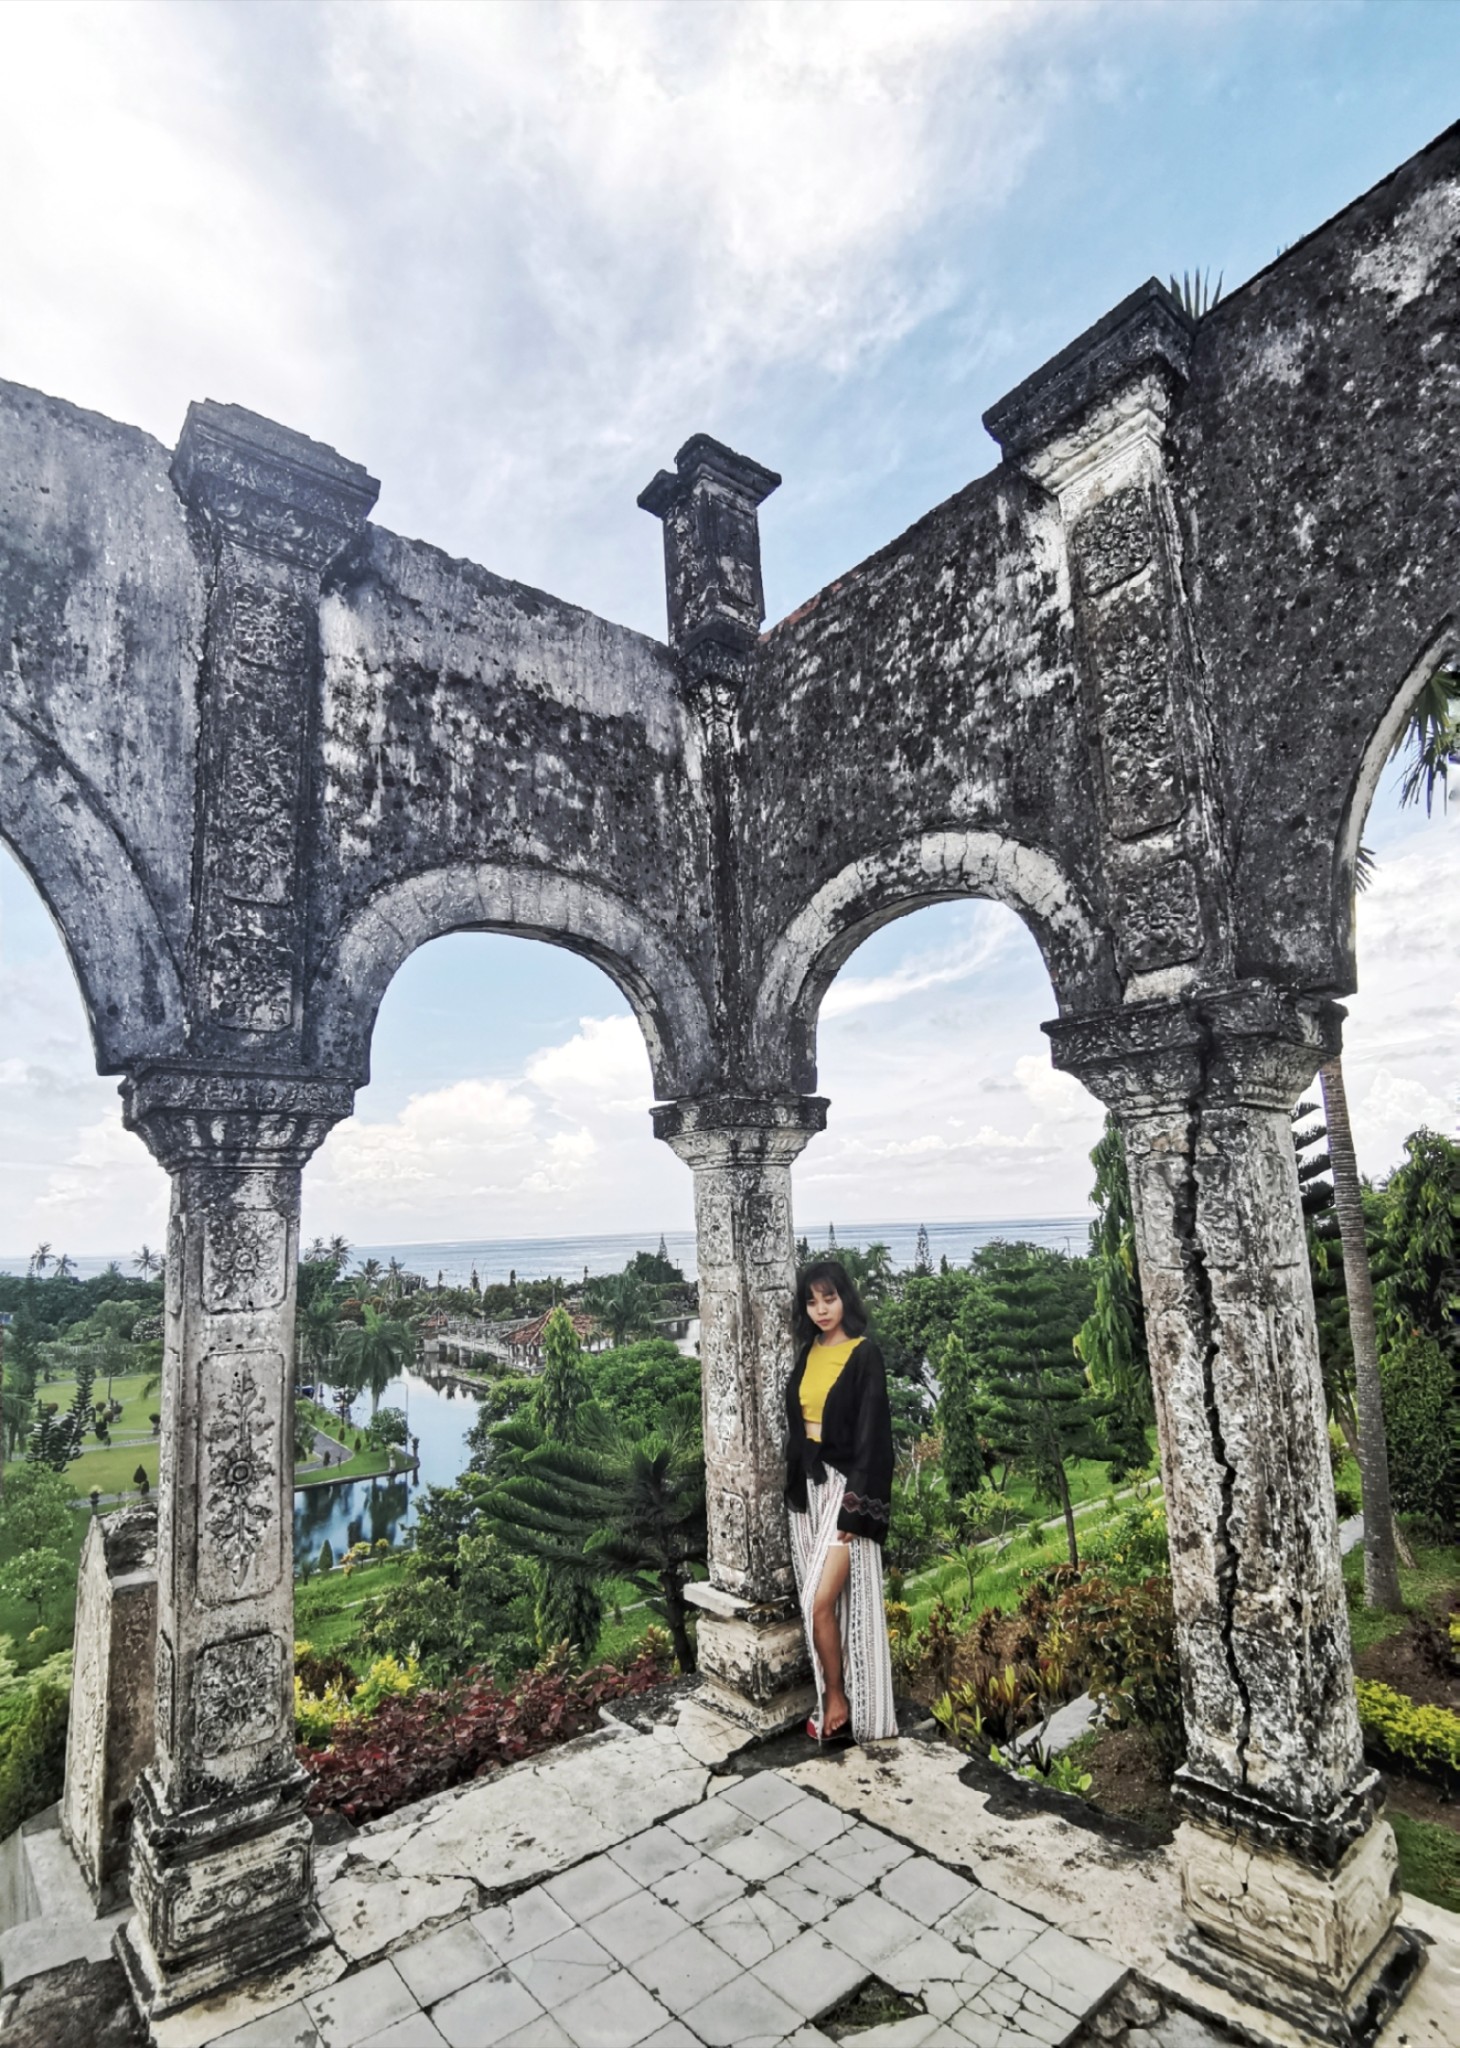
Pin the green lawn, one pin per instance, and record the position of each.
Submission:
(111, 1468)
(327, 1609)
(1437, 1571)
(1429, 1860)
(361, 1464)
(996, 1583)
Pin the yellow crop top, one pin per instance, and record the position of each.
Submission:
(824, 1364)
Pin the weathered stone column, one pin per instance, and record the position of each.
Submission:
(222, 1854)
(751, 1651)
(1288, 1869)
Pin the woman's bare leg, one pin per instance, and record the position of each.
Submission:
(826, 1635)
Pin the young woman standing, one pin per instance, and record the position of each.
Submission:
(839, 1492)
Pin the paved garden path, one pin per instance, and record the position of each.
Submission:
(657, 1888)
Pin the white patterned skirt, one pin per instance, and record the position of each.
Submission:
(866, 1657)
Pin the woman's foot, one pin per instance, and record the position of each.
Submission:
(836, 1717)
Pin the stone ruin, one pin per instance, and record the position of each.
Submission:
(1137, 682)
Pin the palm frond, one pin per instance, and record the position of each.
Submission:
(1195, 293)
(1431, 738)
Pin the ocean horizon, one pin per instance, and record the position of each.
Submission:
(569, 1258)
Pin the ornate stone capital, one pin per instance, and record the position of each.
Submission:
(256, 1121)
(740, 1130)
(711, 543)
(269, 489)
(1142, 346)
(1251, 1043)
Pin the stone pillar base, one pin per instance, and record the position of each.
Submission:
(216, 1905)
(1319, 1946)
(752, 1658)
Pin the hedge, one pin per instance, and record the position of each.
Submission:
(33, 1755)
(1426, 1738)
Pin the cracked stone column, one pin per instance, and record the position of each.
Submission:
(751, 1651)
(222, 1869)
(1289, 1871)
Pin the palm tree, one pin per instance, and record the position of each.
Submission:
(318, 1323)
(624, 1304)
(65, 1266)
(40, 1259)
(369, 1270)
(373, 1352)
(1431, 739)
(147, 1262)
(339, 1251)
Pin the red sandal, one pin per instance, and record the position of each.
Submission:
(839, 1737)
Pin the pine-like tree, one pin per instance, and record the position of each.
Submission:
(1112, 1340)
(57, 1439)
(1037, 1409)
(569, 1604)
(923, 1253)
(563, 1387)
(1325, 1267)
(964, 1468)
(630, 1502)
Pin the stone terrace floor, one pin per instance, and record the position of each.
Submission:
(650, 1887)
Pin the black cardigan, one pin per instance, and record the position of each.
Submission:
(856, 1437)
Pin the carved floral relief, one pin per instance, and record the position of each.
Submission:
(244, 1259)
(240, 1479)
(236, 1689)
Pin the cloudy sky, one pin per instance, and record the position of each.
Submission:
(510, 256)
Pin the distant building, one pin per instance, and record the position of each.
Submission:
(524, 1345)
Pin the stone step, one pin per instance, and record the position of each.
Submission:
(46, 1913)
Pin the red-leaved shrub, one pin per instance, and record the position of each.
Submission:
(411, 1747)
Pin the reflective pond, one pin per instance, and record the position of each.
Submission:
(439, 1412)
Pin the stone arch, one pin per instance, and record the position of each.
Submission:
(526, 902)
(61, 833)
(930, 867)
(1441, 649)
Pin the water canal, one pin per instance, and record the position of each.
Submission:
(439, 1411)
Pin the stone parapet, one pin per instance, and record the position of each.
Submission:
(113, 1694)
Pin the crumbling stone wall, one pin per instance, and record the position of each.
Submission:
(1137, 682)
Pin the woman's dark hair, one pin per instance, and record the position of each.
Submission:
(829, 1273)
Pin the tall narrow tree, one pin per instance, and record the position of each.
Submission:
(1037, 1410)
(1431, 740)
(1112, 1340)
(569, 1603)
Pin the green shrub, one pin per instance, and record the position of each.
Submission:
(1426, 1738)
(32, 1754)
(1133, 1545)
(1123, 1638)
(1422, 1424)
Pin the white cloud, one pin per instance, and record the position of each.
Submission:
(1402, 1038)
(993, 930)
(946, 1115)
(155, 247)
(1389, 1109)
(108, 1191)
(507, 256)
(549, 1151)
(603, 1069)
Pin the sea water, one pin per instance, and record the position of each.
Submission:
(567, 1258)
